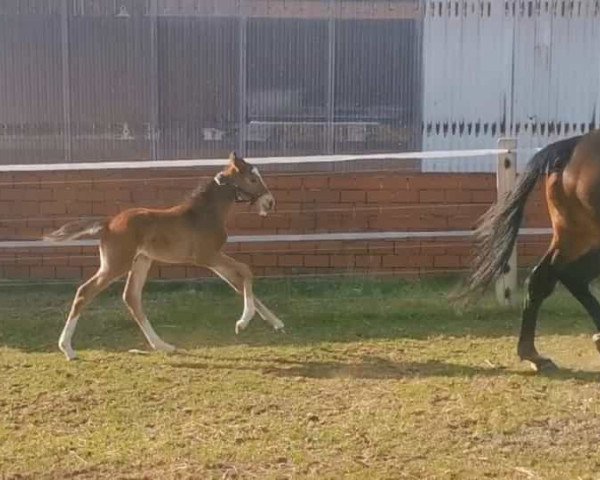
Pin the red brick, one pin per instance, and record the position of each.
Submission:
(16, 271)
(446, 261)
(79, 208)
(68, 272)
(315, 181)
(53, 208)
(457, 196)
(370, 261)
(316, 260)
(484, 196)
(342, 260)
(353, 196)
(264, 260)
(395, 261)
(344, 182)
(172, 272)
(42, 272)
(7, 207)
(285, 182)
(477, 181)
(430, 181)
(431, 196)
(290, 260)
(420, 261)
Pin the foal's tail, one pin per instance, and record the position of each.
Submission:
(79, 228)
(499, 226)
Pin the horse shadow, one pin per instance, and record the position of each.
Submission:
(369, 368)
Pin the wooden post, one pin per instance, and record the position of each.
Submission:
(506, 175)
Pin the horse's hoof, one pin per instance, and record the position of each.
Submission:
(165, 348)
(69, 353)
(596, 339)
(239, 327)
(279, 328)
(540, 365)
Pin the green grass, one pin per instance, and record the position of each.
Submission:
(373, 379)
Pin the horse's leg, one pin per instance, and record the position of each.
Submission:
(85, 294)
(239, 276)
(132, 296)
(576, 277)
(235, 281)
(540, 285)
(268, 316)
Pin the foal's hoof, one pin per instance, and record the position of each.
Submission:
(69, 353)
(596, 339)
(164, 347)
(279, 328)
(541, 364)
(239, 326)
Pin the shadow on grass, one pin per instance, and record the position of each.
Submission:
(375, 368)
(196, 315)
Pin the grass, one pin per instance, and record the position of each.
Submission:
(373, 379)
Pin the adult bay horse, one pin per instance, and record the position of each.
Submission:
(572, 171)
(192, 232)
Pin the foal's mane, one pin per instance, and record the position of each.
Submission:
(205, 193)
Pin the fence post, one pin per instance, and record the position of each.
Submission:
(506, 175)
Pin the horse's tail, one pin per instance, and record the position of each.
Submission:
(498, 228)
(89, 227)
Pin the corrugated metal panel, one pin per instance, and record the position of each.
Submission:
(467, 52)
(198, 86)
(146, 79)
(109, 68)
(530, 69)
(377, 86)
(287, 86)
(31, 114)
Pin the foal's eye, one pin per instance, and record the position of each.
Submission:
(253, 180)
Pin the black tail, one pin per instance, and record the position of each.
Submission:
(499, 226)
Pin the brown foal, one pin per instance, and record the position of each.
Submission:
(192, 232)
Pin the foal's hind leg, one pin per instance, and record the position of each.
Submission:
(85, 294)
(235, 278)
(132, 296)
(540, 285)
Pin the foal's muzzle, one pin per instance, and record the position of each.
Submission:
(265, 203)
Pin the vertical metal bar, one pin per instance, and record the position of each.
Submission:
(66, 79)
(243, 86)
(506, 175)
(154, 130)
(330, 145)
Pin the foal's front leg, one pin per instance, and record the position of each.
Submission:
(238, 276)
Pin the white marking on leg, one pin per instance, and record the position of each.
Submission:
(267, 315)
(64, 342)
(154, 340)
(249, 308)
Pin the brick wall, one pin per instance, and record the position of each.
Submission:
(35, 203)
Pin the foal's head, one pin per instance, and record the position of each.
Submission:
(248, 184)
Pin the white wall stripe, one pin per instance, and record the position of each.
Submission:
(307, 237)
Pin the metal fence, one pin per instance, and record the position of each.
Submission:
(93, 80)
(162, 79)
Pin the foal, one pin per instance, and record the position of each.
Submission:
(192, 232)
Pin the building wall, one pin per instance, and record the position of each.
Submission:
(524, 69)
(35, 203)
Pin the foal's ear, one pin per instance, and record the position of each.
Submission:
(238, 161)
